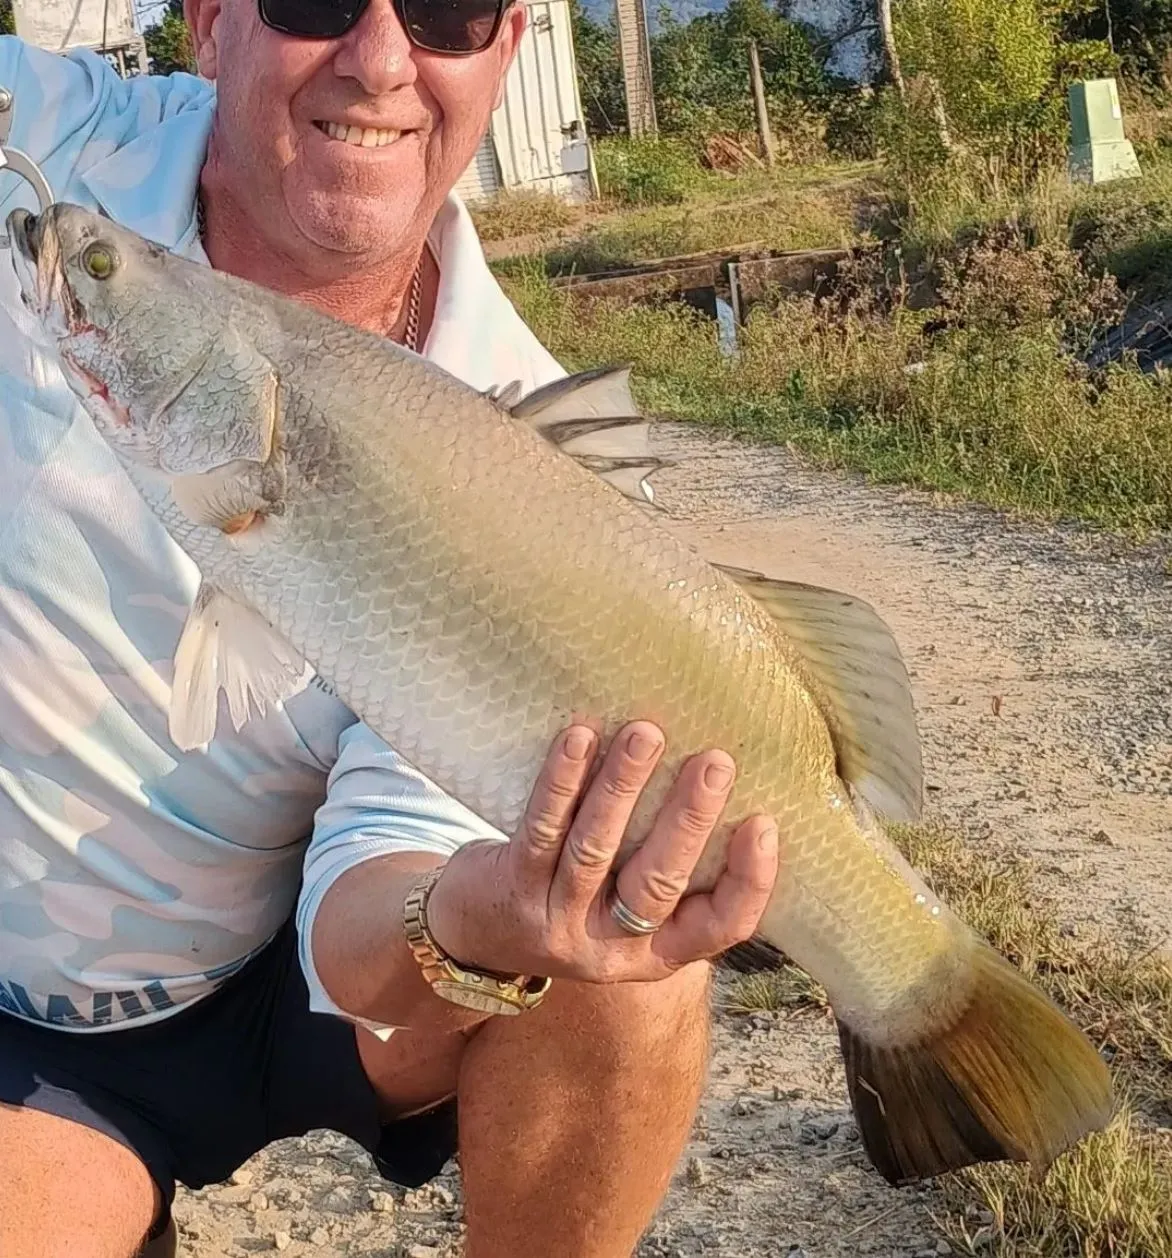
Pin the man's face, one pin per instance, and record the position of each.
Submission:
(349, 144)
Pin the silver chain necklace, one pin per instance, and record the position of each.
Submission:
(414, 302)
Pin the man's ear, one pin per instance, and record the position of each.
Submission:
(508, 41)
(202, 17)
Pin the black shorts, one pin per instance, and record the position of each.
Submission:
(196, 1095)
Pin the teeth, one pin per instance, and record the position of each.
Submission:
(360, 137)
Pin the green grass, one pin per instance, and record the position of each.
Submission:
(1109, 1197)
(1123, 228)
(995, 409)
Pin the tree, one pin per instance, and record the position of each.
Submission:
(701, 68)
(168, 42)
(891, 60)
(600, 72)
(7, 21)
(1138, 31)
(986, 67)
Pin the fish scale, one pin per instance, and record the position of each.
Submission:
(468, 588)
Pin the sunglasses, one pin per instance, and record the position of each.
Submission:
(453, 27)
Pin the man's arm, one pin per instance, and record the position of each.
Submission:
(382, 825)
(534, 905)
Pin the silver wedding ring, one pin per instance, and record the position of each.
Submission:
(632, 923)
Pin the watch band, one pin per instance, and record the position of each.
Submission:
(482, 990)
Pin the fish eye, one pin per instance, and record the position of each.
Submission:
(99, 260)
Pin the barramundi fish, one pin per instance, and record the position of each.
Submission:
(471, 572)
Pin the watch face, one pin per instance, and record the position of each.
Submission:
(473, 998)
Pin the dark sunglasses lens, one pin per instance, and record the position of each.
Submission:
(451, 25)
(317, 19)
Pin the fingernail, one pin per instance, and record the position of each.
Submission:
(642, 748)
(717, 777)
(578, 743)
(767, 839)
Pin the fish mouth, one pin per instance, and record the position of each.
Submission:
(26, 232)
(39, 263)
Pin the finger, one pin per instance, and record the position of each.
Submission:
(550, 811)
(709, 924)
(652, 882)
(598, 828)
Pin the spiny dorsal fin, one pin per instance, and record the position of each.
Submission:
(505, 396)
(593, 418)
(861, 684)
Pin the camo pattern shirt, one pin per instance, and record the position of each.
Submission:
(134, 877)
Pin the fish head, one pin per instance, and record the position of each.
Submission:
(127, 320)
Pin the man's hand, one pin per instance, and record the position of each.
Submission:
(540, 905)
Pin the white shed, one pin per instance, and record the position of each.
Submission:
(537, 138)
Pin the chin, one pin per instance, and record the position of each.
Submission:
(355, 230)
(344, 220)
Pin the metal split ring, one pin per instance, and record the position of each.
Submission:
(632, 923)
(19, 162)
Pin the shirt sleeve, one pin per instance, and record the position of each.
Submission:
(376, 804)
(71, 110)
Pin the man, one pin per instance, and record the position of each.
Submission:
(200, 954)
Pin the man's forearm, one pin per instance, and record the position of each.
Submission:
(361, 952)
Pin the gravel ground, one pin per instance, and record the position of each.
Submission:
(1042, 664)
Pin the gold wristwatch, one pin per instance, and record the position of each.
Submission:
(482, 990)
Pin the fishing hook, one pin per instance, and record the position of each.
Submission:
(19, 162)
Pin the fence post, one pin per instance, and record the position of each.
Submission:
(768, 150)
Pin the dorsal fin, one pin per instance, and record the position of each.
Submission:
(505, 396)
(593, 418)
(861, 684)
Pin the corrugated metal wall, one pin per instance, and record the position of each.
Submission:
(482, 178)
(538, 133)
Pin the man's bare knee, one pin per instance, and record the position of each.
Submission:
(611, 1034)
(589, 1098)
(66, 1189)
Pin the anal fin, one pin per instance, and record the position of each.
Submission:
(227, 645)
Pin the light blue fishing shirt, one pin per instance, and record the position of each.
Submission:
(135, 877)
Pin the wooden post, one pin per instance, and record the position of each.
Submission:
(890, 49)
(635, 53)
(768, 150)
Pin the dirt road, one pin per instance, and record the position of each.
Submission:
(1042, 665)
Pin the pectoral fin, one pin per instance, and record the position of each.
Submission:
(227, 645)
(232, 497)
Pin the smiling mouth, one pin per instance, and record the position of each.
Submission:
(359, 137)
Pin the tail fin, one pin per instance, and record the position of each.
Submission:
(1011, 1079)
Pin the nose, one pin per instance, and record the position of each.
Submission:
(377, 52)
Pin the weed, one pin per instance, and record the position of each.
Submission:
(1108, 1196)
(989, 403)
(523, 213)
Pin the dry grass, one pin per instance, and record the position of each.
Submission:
(1112, 1196)
(792, 209)
(1108, 1199)
(523, 213)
